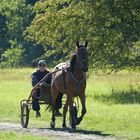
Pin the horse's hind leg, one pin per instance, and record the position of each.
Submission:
(65, 109)
(54, 93)
(83, 101)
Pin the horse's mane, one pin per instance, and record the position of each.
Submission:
(72, 62)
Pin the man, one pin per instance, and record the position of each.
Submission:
(36, 77)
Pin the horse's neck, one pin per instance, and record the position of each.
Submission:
(77, 72)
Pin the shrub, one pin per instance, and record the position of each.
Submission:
(12, 58)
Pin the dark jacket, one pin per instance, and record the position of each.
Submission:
(38, 75)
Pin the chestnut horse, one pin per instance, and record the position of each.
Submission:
(72, 82)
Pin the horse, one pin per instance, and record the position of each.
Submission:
(71, 80)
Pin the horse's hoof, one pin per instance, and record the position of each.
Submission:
(64, 126)
(52, 124)
(72, 129)
(78, 121)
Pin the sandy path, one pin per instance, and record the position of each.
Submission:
(58, 133)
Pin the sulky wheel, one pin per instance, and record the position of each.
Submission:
(24, 115)
(73, 117)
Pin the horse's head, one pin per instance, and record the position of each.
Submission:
(82, 56)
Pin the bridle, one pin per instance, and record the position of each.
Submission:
(79, 62)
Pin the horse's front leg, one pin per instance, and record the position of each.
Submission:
(54, 94)
(83, 102)
(52, 124)
(65, 109)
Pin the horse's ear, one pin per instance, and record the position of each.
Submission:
(86, 43)
(77, 44)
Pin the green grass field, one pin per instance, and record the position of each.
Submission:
(18, 136)
(112, 103)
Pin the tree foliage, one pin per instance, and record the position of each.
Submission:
(48, 29)
(15, 16)
(111, 26)
(12, 57)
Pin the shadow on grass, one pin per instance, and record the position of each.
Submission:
(131, 96)
(80, 131)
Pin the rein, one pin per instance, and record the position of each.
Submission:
(42, 80)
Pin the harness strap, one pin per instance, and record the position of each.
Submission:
(63, 73)
(77, 81)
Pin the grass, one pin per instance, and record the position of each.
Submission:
(112, 103)
(18, 136)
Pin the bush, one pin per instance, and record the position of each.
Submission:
(12, 57)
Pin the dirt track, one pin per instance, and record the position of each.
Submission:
(57, 133)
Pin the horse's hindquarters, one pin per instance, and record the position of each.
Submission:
(59, 81)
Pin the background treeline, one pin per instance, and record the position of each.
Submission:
(15, 51)
(48, 29)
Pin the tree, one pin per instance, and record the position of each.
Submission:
(12, 57)
(3, 34)
(15, 16)
(111, 27)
